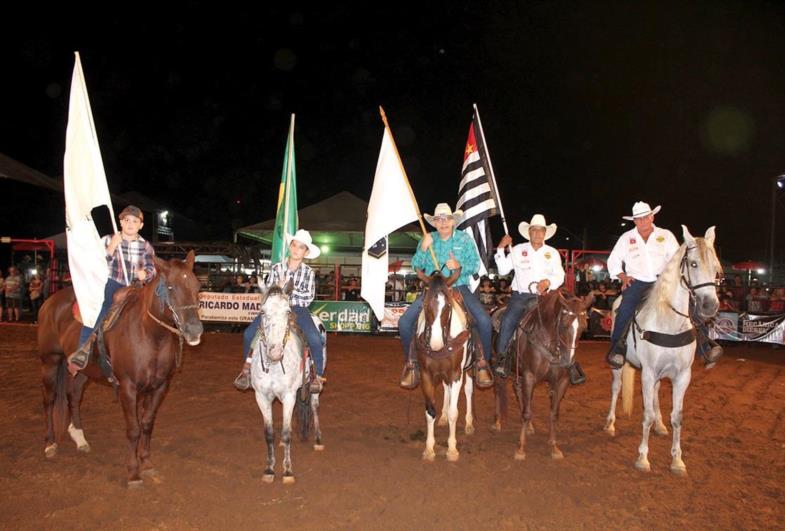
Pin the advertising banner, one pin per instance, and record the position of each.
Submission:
(342, 316)
(392, 312)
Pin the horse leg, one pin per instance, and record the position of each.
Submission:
(129, 402)
(430, 414)
(680, 385)
(75, 401)
(610, 421)
(286, 437)
(556, 397)
(659, 426)
(452, 441)
(265, 404)
(444, 417)
(647, 386)
(468, 389)
(318, 446)
(500, 399)
(49, 389)
(526, 413)
(152, 401)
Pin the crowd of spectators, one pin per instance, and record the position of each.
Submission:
(23, 290)
(737, 296)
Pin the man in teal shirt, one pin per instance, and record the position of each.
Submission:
(453, 249)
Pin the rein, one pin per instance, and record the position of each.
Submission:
(557, 356)
(263, 338)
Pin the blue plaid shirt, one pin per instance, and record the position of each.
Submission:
(304, 284)
(137, 254)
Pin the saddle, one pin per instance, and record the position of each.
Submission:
(121, 297)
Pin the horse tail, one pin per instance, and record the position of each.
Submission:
(304, 414)
(61, 413)
(627, 388)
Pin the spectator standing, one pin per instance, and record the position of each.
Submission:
(13, 293)
(35, 288)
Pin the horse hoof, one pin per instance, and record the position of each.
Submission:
(85, 448)
(268, 478)
(661, 430)
(469, 429)
(135, 483)
(643, 466)
(496, 426)
(288, 480)
(610, 430)
(50, 451)
(520, 456)
(453, 455)
(556, 454)
(679, 468)
(318, 447)
(529, 430)
(442, 421)
(428, 455)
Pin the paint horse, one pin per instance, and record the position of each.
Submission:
(545, 343)
(280, 370)
(444, 352)
(145, 347)
(663, 318)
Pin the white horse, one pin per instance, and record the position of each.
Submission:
(278, 371)
(690, 275)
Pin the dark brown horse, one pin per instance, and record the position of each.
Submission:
(144, 345)
(442, 346)
(545, 346)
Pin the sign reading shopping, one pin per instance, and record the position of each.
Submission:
(337, 316)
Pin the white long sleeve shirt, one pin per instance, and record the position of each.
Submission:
(643, 260)
(531, 266)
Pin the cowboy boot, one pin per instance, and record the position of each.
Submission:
(482, 374)
(79, 359)
(577, 376)
(410, 378)
(315, 386)
(500, 368)
(712, 356)
(617, 354)
(243, 380)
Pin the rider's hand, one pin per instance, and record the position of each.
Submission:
(452, 263)
(543, 285)
(426, 242)
(626, 280)
(506, 241)
(141, 274)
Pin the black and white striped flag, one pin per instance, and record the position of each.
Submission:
(477, 197)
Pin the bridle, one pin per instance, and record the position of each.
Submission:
(162, 291)
(686, 280)
(558, 356)
(263, 336)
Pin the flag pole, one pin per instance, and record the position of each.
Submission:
(95, 135)
(288, 187)
(493, 175)
(409, 186)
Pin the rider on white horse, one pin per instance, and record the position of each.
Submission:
(304, 290)
(644, 252)
(454, 249)
(538, 270)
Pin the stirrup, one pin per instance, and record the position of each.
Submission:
(243, 380)
(315, 386)
(577, 376)
(500, 369)
(483, 377)
(410, 377)
(79, 359)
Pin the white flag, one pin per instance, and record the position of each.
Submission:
(390, 208)
(84, 183)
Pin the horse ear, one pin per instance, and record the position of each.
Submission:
(160, 265)
(289, 287)
(709, 236)
(686, 233)
(189, 259)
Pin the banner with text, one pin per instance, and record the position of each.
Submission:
(732, 326)
(342, 316)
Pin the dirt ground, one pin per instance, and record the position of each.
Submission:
(208, 444)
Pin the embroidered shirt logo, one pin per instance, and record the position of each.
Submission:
(547, 256)
(632, 241)
(660, 239)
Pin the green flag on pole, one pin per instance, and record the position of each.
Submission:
(286, 216)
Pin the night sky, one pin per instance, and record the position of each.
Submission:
(587, 107)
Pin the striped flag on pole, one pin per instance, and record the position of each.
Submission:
(477, 195)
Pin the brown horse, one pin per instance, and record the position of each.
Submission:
(144, 345)
(545, 346)
(442, 346)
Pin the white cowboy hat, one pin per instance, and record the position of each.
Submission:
(304, 237)
(444, 210)
(538, 220)
(641, 209)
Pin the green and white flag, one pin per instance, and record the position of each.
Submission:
(286, 216)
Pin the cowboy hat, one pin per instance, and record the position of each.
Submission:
(304, 237)
(641, 209)
(538, 220)
(444, 210)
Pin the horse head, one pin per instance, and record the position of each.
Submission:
(275, 320)
(570, 316)
(437, 296)
(700, 268)
(177, 289)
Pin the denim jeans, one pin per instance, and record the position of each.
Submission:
(407, 324)
(109, 290)
(630, 299)
(304, 321)
(518, 305)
